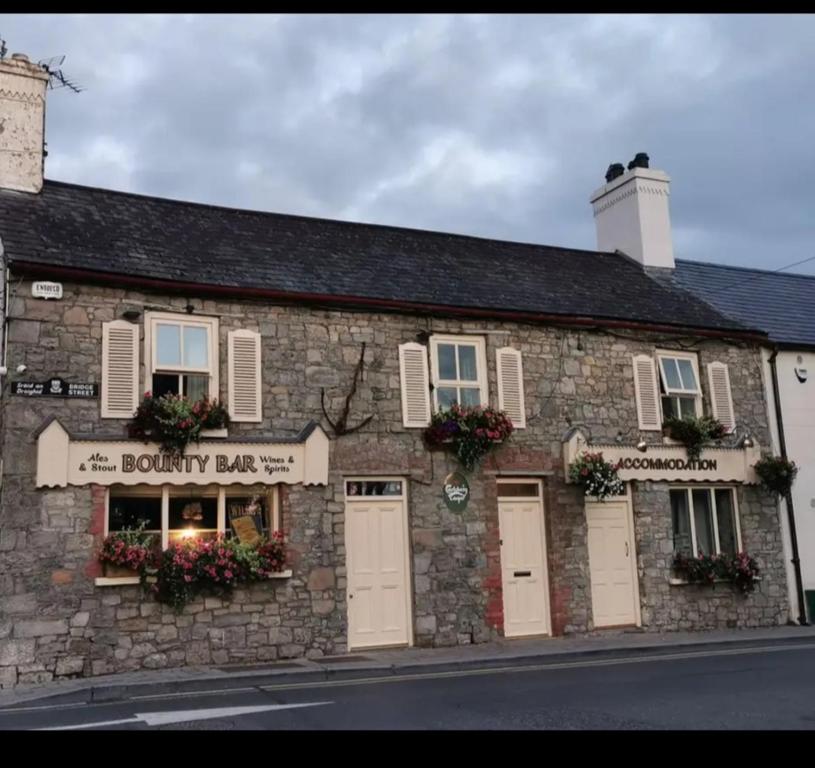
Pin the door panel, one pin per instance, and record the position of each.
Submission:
(377, 582)
(614, 591)
(523, 568)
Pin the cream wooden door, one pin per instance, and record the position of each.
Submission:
(378, 591)
(523, 560)
(612, 562)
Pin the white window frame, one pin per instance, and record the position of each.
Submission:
(480, 360)
(151, 322)
(220, 492)
(711, 489)
(673, 391)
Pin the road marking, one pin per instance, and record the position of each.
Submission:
(423, 676)
(186, 715)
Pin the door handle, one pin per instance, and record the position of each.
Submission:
(626, 549)
(522, 573)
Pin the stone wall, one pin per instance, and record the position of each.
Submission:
(54, 621)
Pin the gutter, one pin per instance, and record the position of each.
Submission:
(782, 444)
(367, 303)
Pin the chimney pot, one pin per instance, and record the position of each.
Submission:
(614, 170)
(19, 56)
(640, 161)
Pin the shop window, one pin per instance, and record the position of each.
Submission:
(182, 355)
(459, 371)
(679, 385)
(179, 512)
(520, 489)
(705, 521)
(129, 511)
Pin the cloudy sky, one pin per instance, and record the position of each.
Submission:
(498, 126)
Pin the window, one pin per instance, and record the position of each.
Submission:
(182, 355)
(679, 385)
(373, 488)
(705, 521)
(178, 512)
(459, 371)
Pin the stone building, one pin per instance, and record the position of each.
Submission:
(110, 295)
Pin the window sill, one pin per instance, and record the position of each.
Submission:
(125, 581)
(682, 582)
(217, 433)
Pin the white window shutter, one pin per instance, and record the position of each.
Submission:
(120, 369)
(721, 398)
(415, 383)
(511, 385)
(245, 392)
(647, 391)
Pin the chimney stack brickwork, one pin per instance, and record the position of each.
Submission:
(22, 123)
(631, 214)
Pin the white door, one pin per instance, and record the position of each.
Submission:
(377, 563)
(523, 559)
(612, 562)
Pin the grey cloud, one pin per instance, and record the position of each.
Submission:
(497, 126)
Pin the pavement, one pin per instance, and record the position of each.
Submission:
(416, 662)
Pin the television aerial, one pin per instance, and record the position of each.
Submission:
(56, 77)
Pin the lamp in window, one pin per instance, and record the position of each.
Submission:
(192, 511)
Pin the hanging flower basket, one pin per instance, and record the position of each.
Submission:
(596, 476)
(741, 570)
(694, 432)
(776, 473)
(174, 421)
(469, 432)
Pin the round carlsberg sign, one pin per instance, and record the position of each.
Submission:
(456, 492)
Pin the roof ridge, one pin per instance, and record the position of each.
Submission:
(745, 269)
(344, 222)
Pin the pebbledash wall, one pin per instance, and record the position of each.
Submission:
(54, 621)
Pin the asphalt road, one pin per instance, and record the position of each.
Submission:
(759, 688)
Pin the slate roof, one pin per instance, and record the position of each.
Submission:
(781, 304)
(121, 233)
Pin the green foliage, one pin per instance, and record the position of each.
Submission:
(777, 474)
(694, 432)
(175, 421)
(470, 432)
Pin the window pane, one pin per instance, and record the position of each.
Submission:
(168, 345)
(466, 363)
(670, 407)
(687, 406)
(196, 513)
(519, 489)
(195, 387)
(726, 519)
(681, 522)
(196, 353)
(470, 396)
(447, 396)
(254, 506)
(128, 512)
(165, 384)
(688, 377)
(374, 488)
(447, 362)
(703, 519)
(671, 373)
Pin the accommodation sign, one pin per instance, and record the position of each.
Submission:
(62, 460)
(55, 387)
(670, 462)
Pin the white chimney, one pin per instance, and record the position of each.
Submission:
(631, 213)
(22, 123)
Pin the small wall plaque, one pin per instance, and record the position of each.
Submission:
(46, 290)
(456, 492)
(55, 387)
